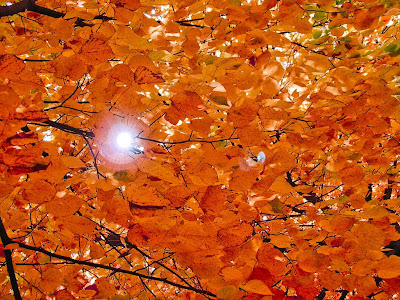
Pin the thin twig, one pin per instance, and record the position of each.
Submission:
(94, 158)
(185, 141)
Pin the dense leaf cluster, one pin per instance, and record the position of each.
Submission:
(263, 161)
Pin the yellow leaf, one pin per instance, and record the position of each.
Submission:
(220, 100)
(44, 259)
(258, 287)
(162, 55)
(227, 292)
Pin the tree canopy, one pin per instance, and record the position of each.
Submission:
(230, 149)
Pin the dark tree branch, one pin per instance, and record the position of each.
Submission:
(36, 60)
(45, 11)
(131, 246)
(89, 134)
(321, 295)
(73, 130)
(66, 128)
(8, 255)
(368, 196)
(316, 52)
(78, 86)
(327, 193)
(190, 25)
(30, 5)
(189, 20)
(3, 234)
(185, 141)
(115, 270)
(388, 191)
(11, 274)
(94, 157)
(343, 294)
(310, 197)
(15, 8)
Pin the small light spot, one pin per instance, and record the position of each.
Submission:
(261, 157)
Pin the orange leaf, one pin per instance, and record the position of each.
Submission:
(65, 206)
(95, 52)
(52, 278)
(38, 191)
(235, 235)
(78, 224)
(144, 76)
(10, 66)
(389, 267)
(213, 199)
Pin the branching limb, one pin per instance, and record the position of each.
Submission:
(8, 255)
(185, 141)
(30, 5)
(85, 134)
(66, 128)
(110, 268)
(131, 246)
(78, 86)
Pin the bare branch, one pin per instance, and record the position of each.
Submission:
(15, 8)
(115, 270)
(66, 128)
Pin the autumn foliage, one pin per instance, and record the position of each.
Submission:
(263, 161)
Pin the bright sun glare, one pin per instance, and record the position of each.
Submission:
(124, 140)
